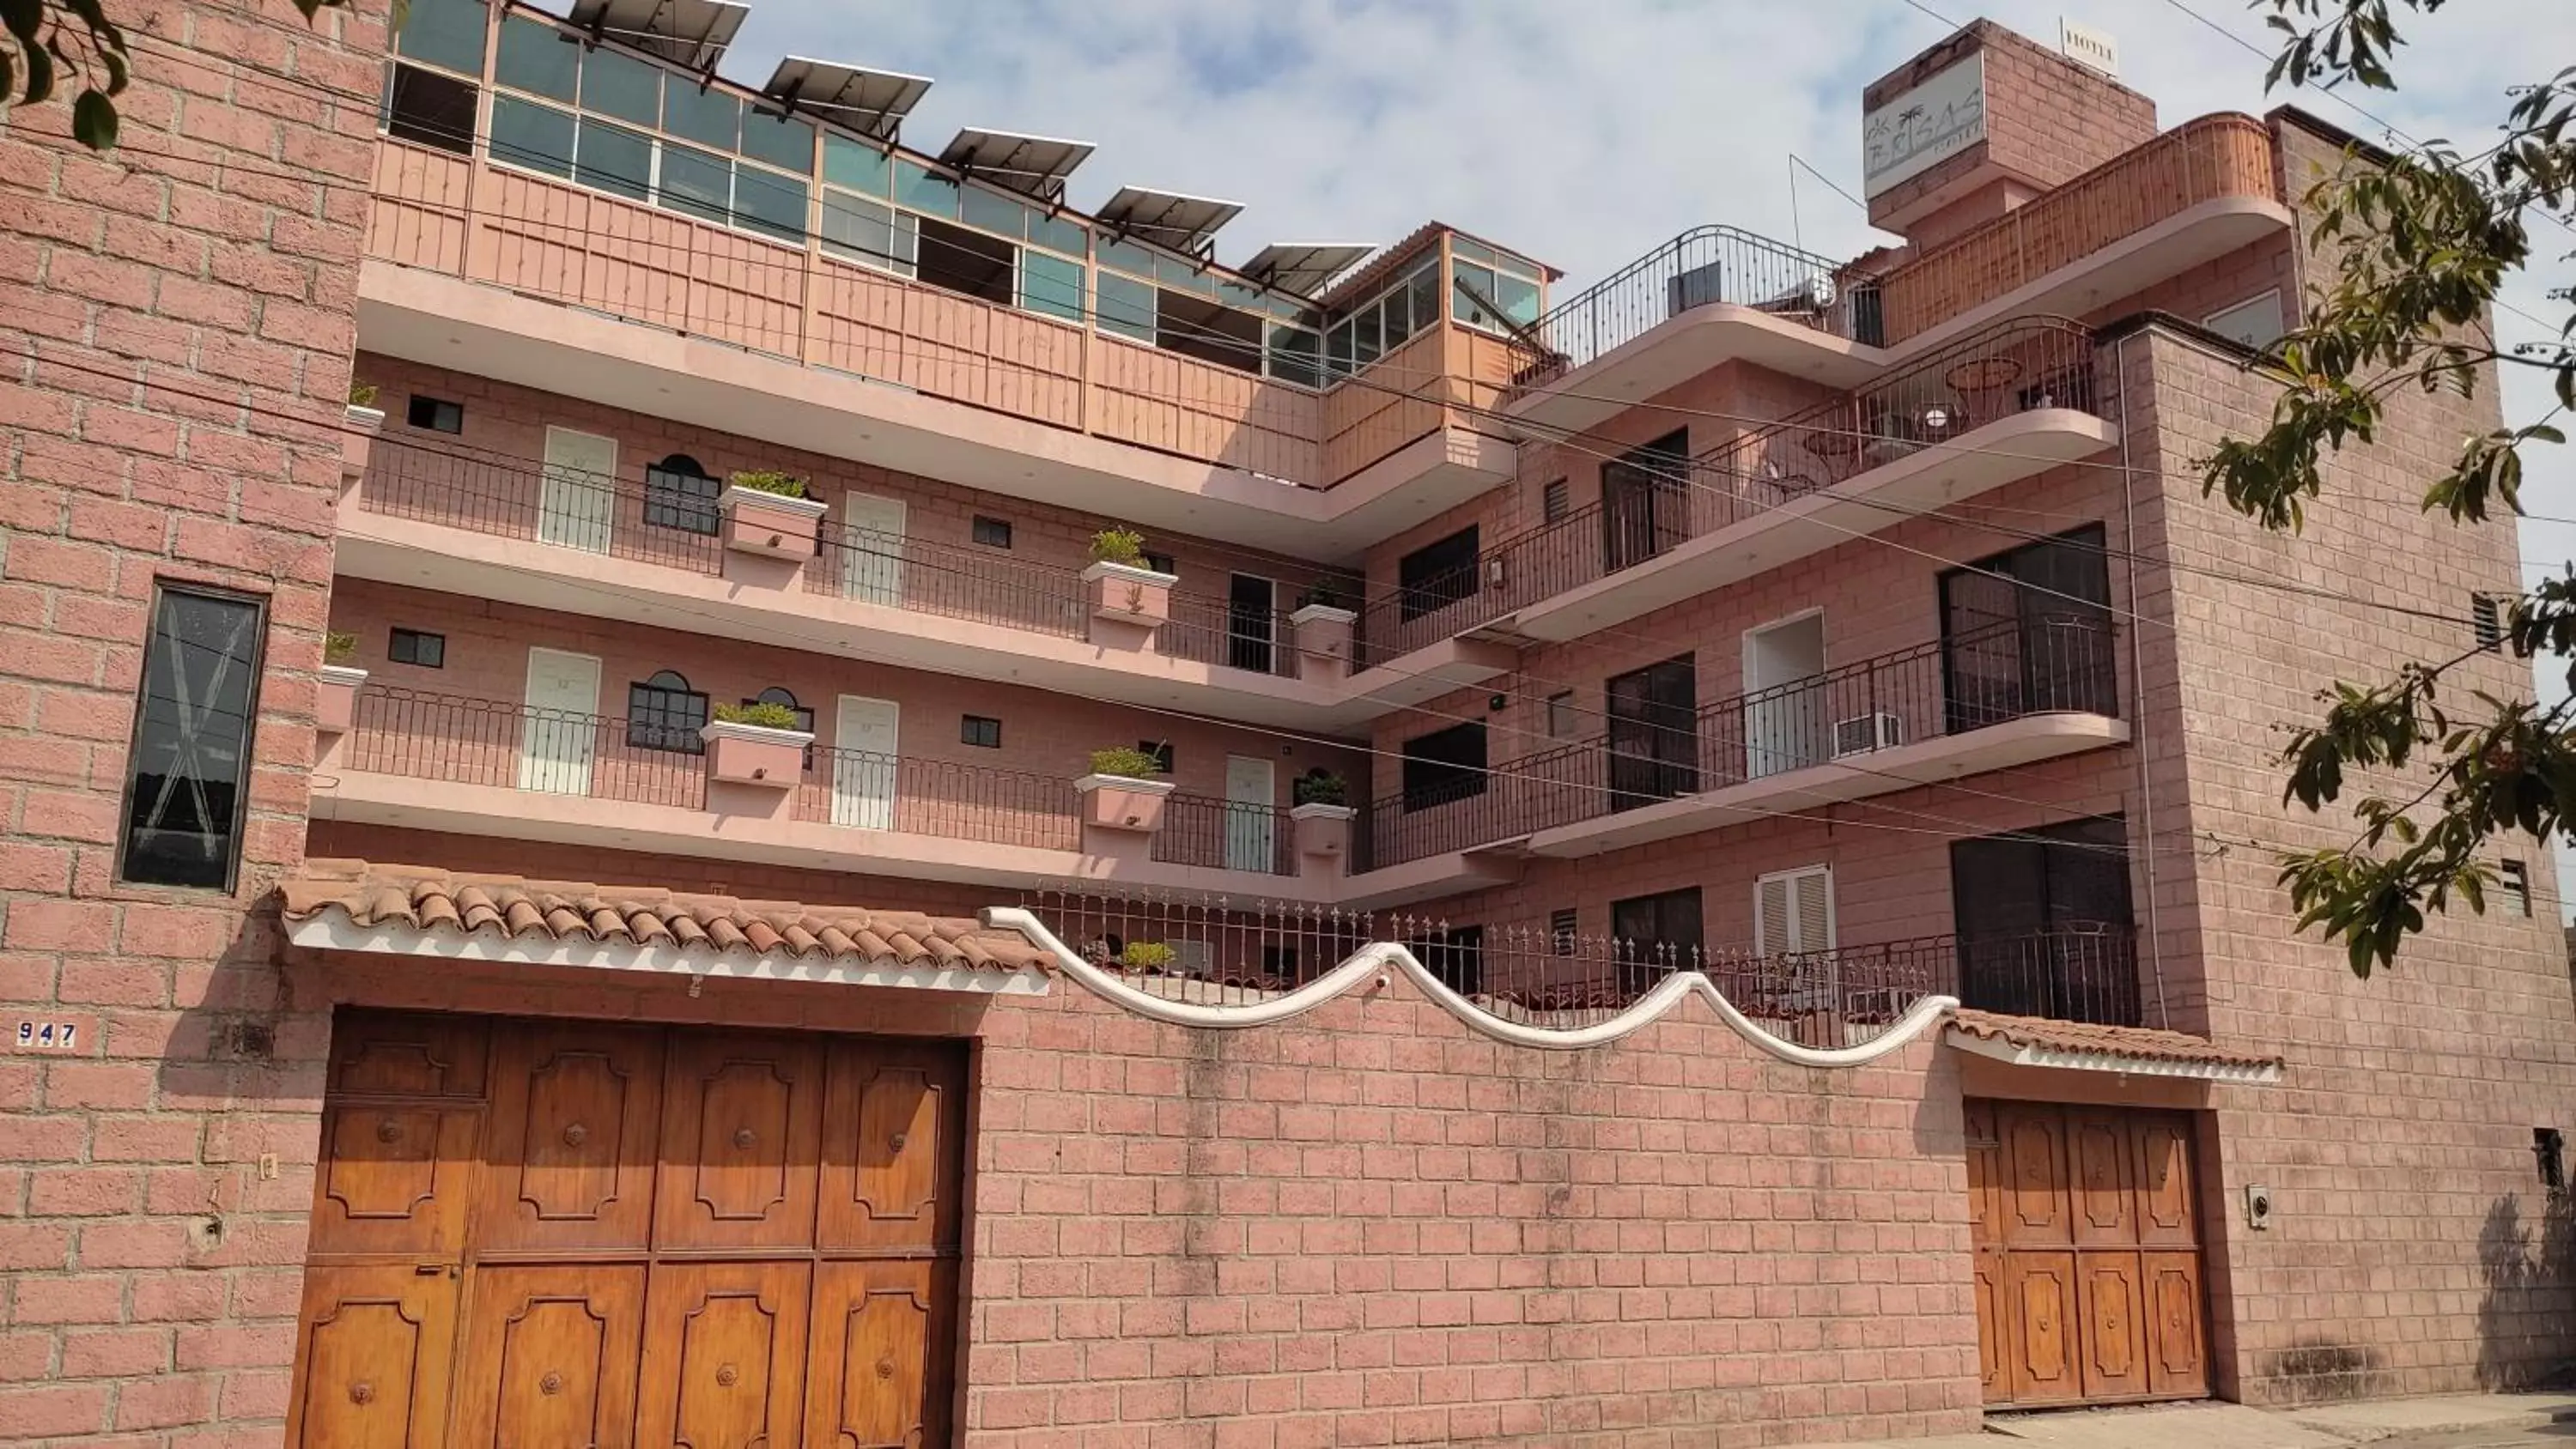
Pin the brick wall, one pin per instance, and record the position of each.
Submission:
(175, 331)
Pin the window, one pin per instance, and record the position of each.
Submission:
(1560, 715)
(1443, 766)
(614, 83)
(1160, 563)
(1496, 291)
(694, 183)
(537, 137)
(2043, 922)
(1793, 912)
(968, 262)
(1208, 331)
(663, 713)
(614, 159)
(1364, 333)
(2028, 631)
(436, 414)
(870, 233)
(445, 33)
(1051, 285)
(430, 109)
(1161, 750)
(982, 731)
(2255, 322)
(679, 494)
(1561, 931)
(992, 532)
(781, 141)
(1554, 502)
(188, 768)
(1654, 936)
(414, 646)
(537, 58)
(1646, 501)
(703, 114)
(2517, 885)
(1436, 575)
(2549, 1154)
(1126, 307)
(2486, 622)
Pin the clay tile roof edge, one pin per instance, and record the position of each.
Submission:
(2085, 1046)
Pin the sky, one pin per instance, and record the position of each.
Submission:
(1587, 134)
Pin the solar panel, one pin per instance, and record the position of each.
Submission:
(692, 33)
(1034, 165)
(1305, 268)
(1167, 218)
(872, 102)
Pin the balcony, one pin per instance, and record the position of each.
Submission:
(1993, 409)
(2001, 696)
(2192, 195)
(1711, 295)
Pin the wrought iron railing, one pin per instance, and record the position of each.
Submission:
(2086, 972)
(2053, 663)
(1704, 265)
(566, 507)
(921, 577)
(1225, 835)
(862, 790)
(1647, 510)
(1235, 636)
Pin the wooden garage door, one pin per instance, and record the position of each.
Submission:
(2088, 1254)
(532, 1234)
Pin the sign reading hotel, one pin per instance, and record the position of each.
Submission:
(1925, 126)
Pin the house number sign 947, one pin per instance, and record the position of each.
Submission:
(48, 1036)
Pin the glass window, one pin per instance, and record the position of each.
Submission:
(1296, 355)
(679, 494)
(616, 84)
(779, 140)
(1436, 575)
(868, 232)
(695, 183)
(436, 414)
(923, 191)
(663, 713)
(1398, 314)
(1364, 338)
(1473, 285)
(1174, 272)
(1126, 257)
(527, 134)
(1517, 296)
(1208, 332)
(418, 647)
(614, 159)
(1337, 349)
(1126, 307)
(535, 56)
(1422, 297)
(769, 203)
(431, 109)
(445, 32)
(992, 212)
(1056, 233)
(968, 262)
(709, 116)
(1470, 250)
(1051, 285)
(991, 532)
(188, 773)
(859, 167)
(1444, 765)
(1235, 294)
(982, 731)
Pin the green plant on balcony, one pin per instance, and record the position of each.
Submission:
(1123, 546)
(1322, 594)
(1320, 787)
(1147, 956)
(339, 646)
(362, 394)
(1126, 762)
(768, 480)
(764, 715)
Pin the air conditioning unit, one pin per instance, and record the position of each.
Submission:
(1696, 287)
(1866, 733)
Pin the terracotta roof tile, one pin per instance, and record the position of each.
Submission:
(442, 902)
(2139, 1042)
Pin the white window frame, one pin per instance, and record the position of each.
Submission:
(2280, 317)
(1790, 878)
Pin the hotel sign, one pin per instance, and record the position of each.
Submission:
(1925, 126)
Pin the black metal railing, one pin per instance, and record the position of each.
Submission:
(561, 506)
(2051, 663)
(1224, 835)
(1648, 510)
(519, 747)
(861, 790)
(922, 577)
(1236, 636)
(2086, 972)
(1707, 264)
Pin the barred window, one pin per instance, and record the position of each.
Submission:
(663, 713)
(679, 494)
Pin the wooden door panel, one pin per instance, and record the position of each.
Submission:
(1986, 1180)
(2112, 1334)
(2176, 1353)
(2168, 1210)
(879, 1369)
(395, 1179)
(1994, 1328)
(741, 1133)
(2034, 1151)
(893, 1131)
(408, 1054)
(372, 1359)
(2098, 1162)
(575, 1118)
(550, 1357)
(724, 1355)
(2039, 1293)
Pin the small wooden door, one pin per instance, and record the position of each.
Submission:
(550, 1233)
(2087, 1254)
(577, 503)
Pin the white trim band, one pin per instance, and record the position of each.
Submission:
(2021, 1055)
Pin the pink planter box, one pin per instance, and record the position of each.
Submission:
(1127, 595)
(1323, 832)
(358, 439)
(740, 754)
(335, 699)
(1118, 802)
(1324, 638)
(769, 524)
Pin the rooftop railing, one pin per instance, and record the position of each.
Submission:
(1704, 265)
(1650, 507)
(2054, 663)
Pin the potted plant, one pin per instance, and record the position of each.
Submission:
(1127, 597)
(1324, 628)
(755, 744)
(1122, 793)
(335, 698)
(767, 512)
(358, 433)
(1322, 814)
(1147, 956)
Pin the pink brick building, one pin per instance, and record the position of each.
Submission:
(1708, 876)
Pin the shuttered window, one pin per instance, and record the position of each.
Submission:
(1793, 911)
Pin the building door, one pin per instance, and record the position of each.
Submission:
(872, 549)
(551, 1233)
(1645, 501)
(1654, 733)
(2029, 631)
(559, 729)
(1251, 813)
(577, 502)
(1251, 622)
(2086, 1238)
(1787, 716)
(866, 760)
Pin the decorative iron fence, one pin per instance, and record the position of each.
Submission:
(675, 526)
(1225, 835)
(519, 747)
(861, 790)
(1704, 265)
